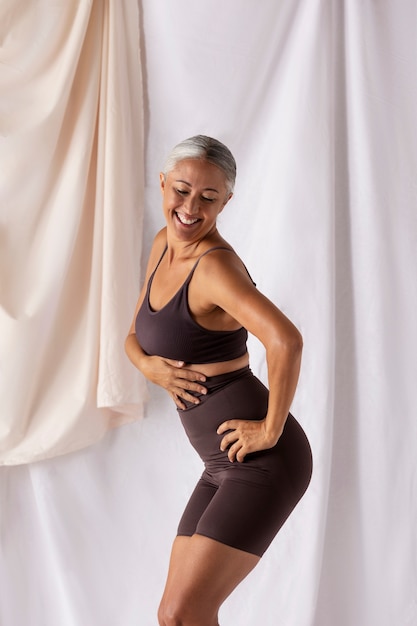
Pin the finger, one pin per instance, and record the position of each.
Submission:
(175, 363)
(182, 393)
(187, 390)
(192, 375)
(228, 425)
(189, 374)
(228, 440)
(233, 451)
(178, 401)
(188, 385)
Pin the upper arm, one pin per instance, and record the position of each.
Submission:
(228, 285)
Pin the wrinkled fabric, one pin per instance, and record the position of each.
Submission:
(317, 101)
(71, 214)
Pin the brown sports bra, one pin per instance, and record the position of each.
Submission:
(172, 332)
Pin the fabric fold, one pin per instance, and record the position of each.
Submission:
(72, 150)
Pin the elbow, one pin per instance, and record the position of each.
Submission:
(292, 343)
(297, 341)
(285, 340)
(128, 344)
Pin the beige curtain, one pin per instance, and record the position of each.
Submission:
(71, 167)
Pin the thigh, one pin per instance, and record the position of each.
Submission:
(247, 514)
(202, 574)
(197, 504)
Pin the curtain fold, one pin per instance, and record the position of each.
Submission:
(316, 99)
(369, 566)
(72, 169)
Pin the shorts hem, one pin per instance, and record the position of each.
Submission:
(224, 543)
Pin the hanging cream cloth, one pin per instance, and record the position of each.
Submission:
(71, 166)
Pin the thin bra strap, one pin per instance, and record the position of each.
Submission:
(190, 275)
(160, 259)
(204, 254)
(196, 263)
(210, 250)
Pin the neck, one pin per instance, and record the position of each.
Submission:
(181, 250)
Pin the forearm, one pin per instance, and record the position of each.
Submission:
(135, 353)
(284, 363)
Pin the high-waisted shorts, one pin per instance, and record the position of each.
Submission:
(242, 504)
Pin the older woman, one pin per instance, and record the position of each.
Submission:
(189, 336)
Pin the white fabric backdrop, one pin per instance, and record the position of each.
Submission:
(317, 100)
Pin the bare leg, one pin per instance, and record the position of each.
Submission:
(202, 574)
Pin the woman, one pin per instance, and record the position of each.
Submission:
(189, 336)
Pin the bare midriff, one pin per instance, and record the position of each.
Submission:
(223, 367)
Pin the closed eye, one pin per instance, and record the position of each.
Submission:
(185, 192)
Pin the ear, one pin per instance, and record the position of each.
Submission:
(226, 201)
(162, 182)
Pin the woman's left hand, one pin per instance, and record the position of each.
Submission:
(244, 437)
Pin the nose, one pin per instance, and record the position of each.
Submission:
(191, 204)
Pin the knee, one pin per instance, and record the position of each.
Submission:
(177, 614)
(170, 615)
(170, 618)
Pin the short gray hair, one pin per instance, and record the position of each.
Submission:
(207, 149)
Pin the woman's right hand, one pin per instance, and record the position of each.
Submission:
(175, 378)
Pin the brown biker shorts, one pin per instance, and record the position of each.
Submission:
(242, 505)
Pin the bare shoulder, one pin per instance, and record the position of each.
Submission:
(160, 240)
(226, 284)
(158, 246)
(223, 280)
(222, 265)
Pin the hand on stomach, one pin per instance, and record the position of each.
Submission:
(183, 381)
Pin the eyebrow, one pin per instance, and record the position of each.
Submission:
(179, 180)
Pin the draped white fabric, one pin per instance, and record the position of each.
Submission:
(71, 166)
(317, 101)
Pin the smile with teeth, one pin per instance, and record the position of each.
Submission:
(188, 221)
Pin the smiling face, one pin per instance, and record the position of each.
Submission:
(194, 193)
